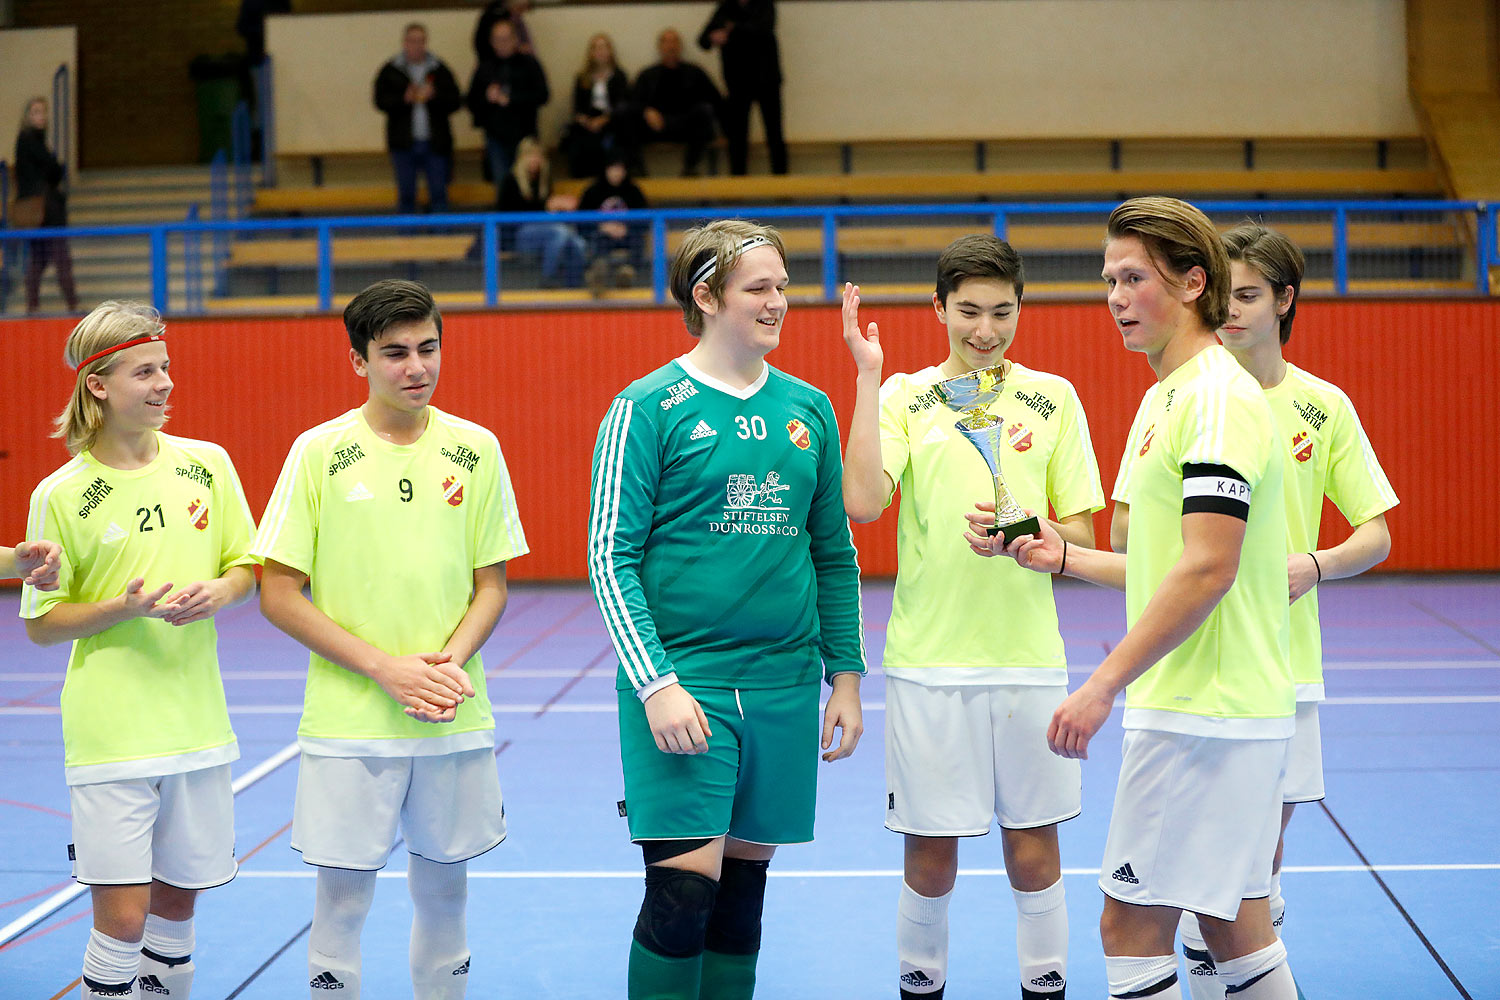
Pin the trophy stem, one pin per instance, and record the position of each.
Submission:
(1010, 520)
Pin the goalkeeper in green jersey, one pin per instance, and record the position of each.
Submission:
(721, 559)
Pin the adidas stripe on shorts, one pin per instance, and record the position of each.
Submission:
(176, 828)
(1304, 758)
(1195, 822)
(959, 757)
(348, 809)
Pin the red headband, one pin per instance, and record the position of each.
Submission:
(118, 347)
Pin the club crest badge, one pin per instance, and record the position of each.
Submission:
(453, 491)
(1146, 439)
(1019, 436)
(198, 514)
(797, 431)
(1302, 446)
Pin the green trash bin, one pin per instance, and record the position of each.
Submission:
(219, 83)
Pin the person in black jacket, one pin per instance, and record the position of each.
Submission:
(601, 99)
(677, 102)
(744, 31)
(617, 249)
(504, 95)
(417, 92)
(39, 175)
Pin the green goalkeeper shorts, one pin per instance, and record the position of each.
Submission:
(758, 782)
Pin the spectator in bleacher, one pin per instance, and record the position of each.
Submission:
(617, 249)
(601, 99)
(513, 11)
(417, 92)
(504, 94)
(677, 102)
(744, 32)
(40, 202)
(527, 187)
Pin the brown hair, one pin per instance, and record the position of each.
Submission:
(586, 74)
(110, 324)
(1178, 237)
(978, 256)
(387, 303)
(722, 242)
(1275, 257)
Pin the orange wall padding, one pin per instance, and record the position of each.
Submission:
(1424, 375)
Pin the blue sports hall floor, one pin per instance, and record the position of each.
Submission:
(1392, 885)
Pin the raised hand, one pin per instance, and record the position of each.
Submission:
(140, 602)
(38, 563)
(864, 345)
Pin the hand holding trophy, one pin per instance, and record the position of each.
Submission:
(969, 394)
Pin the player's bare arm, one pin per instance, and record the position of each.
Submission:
(425, 684)
(677, 721)
(866, 484)
(1191, 589)
(844, 713)
(1367, 546)
(66, 622)
(199, 601)
(1047, 554)
(1119, 526)
(37, 563)
(485, 608)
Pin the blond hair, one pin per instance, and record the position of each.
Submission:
(1178, 237)
(109, 325)
(722, 243)
(543, 186)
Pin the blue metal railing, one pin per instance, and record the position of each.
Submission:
(489, 225)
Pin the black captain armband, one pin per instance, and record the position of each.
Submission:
(1214, 489)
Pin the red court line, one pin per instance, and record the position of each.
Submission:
(43, 933)
(33, 895)
(31, 699)
(258, 847)
(32, 805)
(541, 637)
(572, 681)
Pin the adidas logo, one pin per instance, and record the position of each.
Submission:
(360, 492)
(113, 533)
(916, 977)
(1052, 980)
(1125, 873)
(462, 970)
(935, 435)
(1204, 969)
(325, 981)
(1278, 920)
(150, 984)
(702, 431)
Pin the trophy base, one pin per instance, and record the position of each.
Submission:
(1014, 530)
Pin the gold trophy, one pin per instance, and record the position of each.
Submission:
(969, 394)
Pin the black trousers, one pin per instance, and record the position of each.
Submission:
(737, 125)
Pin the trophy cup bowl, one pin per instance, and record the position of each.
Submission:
(968, 394)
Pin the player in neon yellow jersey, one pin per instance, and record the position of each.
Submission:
(1327, 454)
(967, 715)
(155, 537)
(1210, 701)
(397, 730)
(722, 563)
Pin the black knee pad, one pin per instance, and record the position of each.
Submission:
(734, 928)
(675, 911)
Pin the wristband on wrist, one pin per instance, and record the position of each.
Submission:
(1318, 566)
(1064, 567)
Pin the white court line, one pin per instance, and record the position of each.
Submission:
(40, 676)
(63, 897)
(311, 872)
(600, 708)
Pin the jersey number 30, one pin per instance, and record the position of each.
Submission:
(755, 427)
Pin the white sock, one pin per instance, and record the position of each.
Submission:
(343, 902)
(922, 940)
(1203, 982)
(1155, 977)
(1278, 904)
(109, 966)
(1042, 941)
(1260, 975)
(439, 948)
(166, 971)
